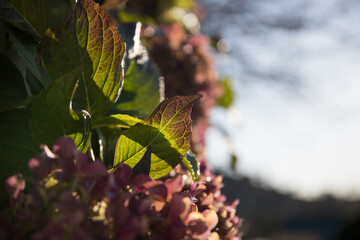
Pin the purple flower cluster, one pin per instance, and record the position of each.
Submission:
(74, 197)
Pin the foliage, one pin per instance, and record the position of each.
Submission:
(81, 73)
(228, 96)
(165, 133)
(68, 73)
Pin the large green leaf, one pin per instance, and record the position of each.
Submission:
(52, 114)
(26, 49)
(141, 91)
(12, 88)
(109, 129)
(27, 15)
(86, 40)
(35, 86)
(167, 131)
(107, 139)
(115, 121)
(140, 94)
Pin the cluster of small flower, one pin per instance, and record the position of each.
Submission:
(81, 199)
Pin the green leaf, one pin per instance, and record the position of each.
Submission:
(109, 129)
(115, 121)
(161, 10)
(128, 17)
(192, 165)
(143, 166)
(52, 115)
(16, 143)
(140, 93)
(86, 40)
(185, 4)
(35, 86)
(167, 131)
(12, 88)
(108, 137)
(27, 15)
(228, 97)
(26, 49)
(56, 10)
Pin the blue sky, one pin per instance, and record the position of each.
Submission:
(295, 123)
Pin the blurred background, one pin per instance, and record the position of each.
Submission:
(292, 131)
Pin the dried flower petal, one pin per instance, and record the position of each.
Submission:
(88, 168)
(211, 218)
(122, 175)
(179, 207)
(197, 188)
(173, 185)
(14, 186)
(135, 226)
(139, 180)
(41, 165)
(65, 148)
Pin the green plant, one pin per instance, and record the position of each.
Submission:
(78, 73)
(68, 73)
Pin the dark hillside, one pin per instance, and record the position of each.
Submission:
(269, 214)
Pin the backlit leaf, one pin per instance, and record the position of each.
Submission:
(108, 129)
(116, 120)
(143, 166)
(86, 40)
(53, 117)
(167, 131)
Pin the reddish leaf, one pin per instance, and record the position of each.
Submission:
(167, 131)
